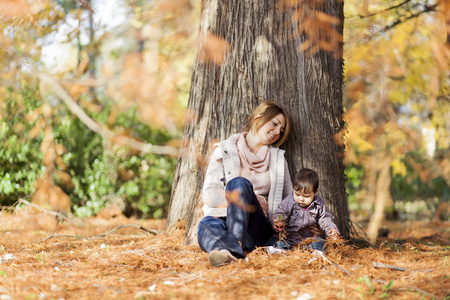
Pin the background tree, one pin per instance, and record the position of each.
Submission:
(397, 104)
(250, 51)
(95, 152)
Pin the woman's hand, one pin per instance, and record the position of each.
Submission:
(264, 204)
(316, 230)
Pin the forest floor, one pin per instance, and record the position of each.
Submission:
(113, 257)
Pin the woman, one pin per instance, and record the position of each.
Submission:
(246, 179)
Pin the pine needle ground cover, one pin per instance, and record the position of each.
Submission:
(113, 257)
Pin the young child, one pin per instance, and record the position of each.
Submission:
(302, 209)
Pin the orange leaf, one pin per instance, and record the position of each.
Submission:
(60, 163)
(213, 49)
(235, 197)
(37, 129)
(339, 137)
(65, 178)
(49, 158)
(321, 16)
(60, 149)
(15, 8)
(33, 115)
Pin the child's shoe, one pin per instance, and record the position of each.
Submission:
(272, 250)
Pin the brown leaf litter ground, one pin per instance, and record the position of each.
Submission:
(96, 259)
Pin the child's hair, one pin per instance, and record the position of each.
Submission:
(266, 111)
(306, 180)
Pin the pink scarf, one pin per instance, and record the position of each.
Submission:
(255, 167)
(258, 162)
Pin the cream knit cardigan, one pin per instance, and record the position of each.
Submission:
(225, 165)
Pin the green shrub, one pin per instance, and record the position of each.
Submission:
(353, 184)
(20, 158)
(100, 171)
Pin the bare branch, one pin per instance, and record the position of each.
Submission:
(400, 20)
(57, 215)
(129, 225)
(155, 232)
(415, 289)
(333, 263)
(356, 232)
(99, 128)
(427, 8)
(380, 11)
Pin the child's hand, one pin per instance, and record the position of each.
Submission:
(278, 225)
(333, 233)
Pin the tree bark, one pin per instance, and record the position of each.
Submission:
(261, 61)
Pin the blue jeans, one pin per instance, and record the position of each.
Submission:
(318, 244)
(251, 228)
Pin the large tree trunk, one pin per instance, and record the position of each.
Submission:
(261, 61)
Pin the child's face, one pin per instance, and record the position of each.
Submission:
(304, 198)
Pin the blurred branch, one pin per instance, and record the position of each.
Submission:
(427, 8)
(380, 11)
(96, 127)
(88, 82)
(401, 19)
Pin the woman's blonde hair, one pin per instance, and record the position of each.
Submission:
(264, 113)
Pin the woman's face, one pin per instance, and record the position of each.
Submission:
(271, 132)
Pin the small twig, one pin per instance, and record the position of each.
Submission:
(333, 263)
(155, 232)
(48, 211)
(61, 235)
(56, 225)
(186, 276)
(423, 270)
(414, 289)
(380, 265)
(354, 229)
(444, 240)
